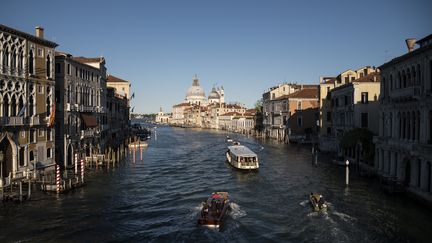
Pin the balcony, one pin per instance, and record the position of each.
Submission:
(87, 133)
(87, 109)
(34, 120)
(413, 92)
(12, 121)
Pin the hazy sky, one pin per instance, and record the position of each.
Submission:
(246, 46)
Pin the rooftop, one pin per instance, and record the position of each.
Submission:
(28, 36)
(112, 78)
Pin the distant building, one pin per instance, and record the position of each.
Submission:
(27, 102)
(162, 118)
(404, 144)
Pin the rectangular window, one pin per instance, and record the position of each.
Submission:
(57, 68)
(352, 79)
(346, 80)
(49, 150)
(40, 52)
(329, 118)
(361, 75)
(49, 134)
(33, 136)
(328, 130)
(76, 71)
(364, 97)
(364, 120)
(41, 132)
(299, 105)
(40, 89)
(23, 133)
(68, 69)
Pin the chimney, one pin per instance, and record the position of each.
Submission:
(39, 32)
(410, 42)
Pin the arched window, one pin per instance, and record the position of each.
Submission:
(399, 83)
(31, 106)
(48, 66)
(31, 155)
(48, 106)
(30, 62)
(13, 106)
(20, 105)
(20, 61)
(6, 106)
(13, 59)
(6, 56)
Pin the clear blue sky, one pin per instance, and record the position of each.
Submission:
(246, 46)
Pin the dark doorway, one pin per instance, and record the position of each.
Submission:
(6, 149)
(69, 157)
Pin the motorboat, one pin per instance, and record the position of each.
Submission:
(214, 210)
(317, 202)
(241, 157)
(229, 140)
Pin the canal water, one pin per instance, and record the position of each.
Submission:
(155, 196)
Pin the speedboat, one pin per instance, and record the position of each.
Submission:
(317, 202)
(241, 157)
(214, 210)
(229, 140)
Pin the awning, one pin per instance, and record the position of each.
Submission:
(89, 120)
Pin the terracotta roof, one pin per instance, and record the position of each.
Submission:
(111, 78)
(251, 110)
(88, 59)
(329, 80)
(182, 104)
(372, 77)
(308, 93)
(231, 114)
(234, 106)
(28, 36)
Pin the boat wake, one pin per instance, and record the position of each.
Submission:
(304, 203)
(195, 211)
(344, 217)
(236, 212)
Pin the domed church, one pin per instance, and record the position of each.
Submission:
(216, 95)
(195, 94)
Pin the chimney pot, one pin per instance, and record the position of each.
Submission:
(410, 42)
(39, 32)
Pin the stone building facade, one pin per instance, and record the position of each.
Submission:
(404, 144)
(27, 106)
(81, 114)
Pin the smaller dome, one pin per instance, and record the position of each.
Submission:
(213, 94)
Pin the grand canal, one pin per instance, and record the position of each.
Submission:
(155, 195)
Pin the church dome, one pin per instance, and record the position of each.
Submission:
(195, 93)
(213, 94)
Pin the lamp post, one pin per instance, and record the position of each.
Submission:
(346, 172)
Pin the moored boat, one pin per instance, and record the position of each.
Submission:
(214, 210)
(241, 157)
(317, 202)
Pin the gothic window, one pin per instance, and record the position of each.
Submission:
(5, 106)
(13, 106)
(30, 62)
(31, 106)
(13, 59)
(6, 56)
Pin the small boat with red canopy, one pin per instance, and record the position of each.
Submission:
(214, 210)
